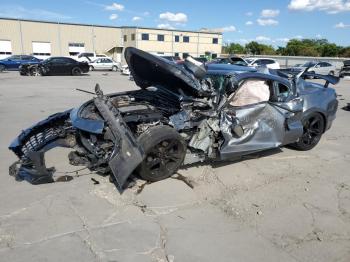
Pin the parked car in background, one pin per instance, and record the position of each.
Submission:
(317, 67)
(88, 56)
(345, 70)
(55, 66)
(233, 60)
(15, 61)
(104, 64)
(264, 62)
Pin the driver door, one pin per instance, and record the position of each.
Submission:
(259, 124)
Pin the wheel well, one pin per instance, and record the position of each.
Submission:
(324, 119)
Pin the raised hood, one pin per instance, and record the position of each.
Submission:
(150, 70)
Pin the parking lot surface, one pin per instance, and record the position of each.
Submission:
(282, 205)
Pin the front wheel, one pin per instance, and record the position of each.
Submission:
(313, 125)
(2, 68)
(165, 151)
(76, 71)
(114, 69)
(331, 73)
(91, 68)
(35, 71)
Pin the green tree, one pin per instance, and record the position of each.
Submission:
(234, 48)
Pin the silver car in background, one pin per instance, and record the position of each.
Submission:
(317, 67)
(104, 64)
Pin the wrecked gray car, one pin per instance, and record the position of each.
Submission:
(181, 114)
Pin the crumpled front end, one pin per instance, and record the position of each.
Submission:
(103, 145)
(31, 145)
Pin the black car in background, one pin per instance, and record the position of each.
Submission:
(55, 66)
(345, 70)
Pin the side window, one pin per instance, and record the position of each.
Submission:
(257, 62)
(250, 92)
(267, 61)
(279, 92)
(107, 61)
(15, 57)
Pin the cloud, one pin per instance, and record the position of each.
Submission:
(329, 6)
(263, 38)
(114, 7)
(341, 25)
(284, 40)
(136, 18)
(249, 23)
(230, 28)
(165, 26)
(146, 13)
(113, 16)
(249, 13)
(17, 11)
(267, 22)
(180, 18)
(270, 13)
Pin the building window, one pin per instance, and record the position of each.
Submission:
(186, 39)
(214, 56)
(76, 44)
(125, 38)
(184, 55)
(176, 54)
(132, 37)
(145, 37)
(160, 38)
(76, 48)
(177, 38)
(215, 40)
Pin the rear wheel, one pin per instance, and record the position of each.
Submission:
(2, 68)
(91, 68)
(114, 69)
(165, 151)
(313, 125)
(331, 73)
(76, 71)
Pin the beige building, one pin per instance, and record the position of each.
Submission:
(43, 39)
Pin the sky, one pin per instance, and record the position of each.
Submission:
(240, 21)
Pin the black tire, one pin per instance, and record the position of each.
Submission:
(91, 68)
(114, 68)
(165, 151)
(314, 126)
(2, 68)
(76, 71)
(331, 73)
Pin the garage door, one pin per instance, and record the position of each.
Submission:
(41, 49)
(5, 48)
(76, 48)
